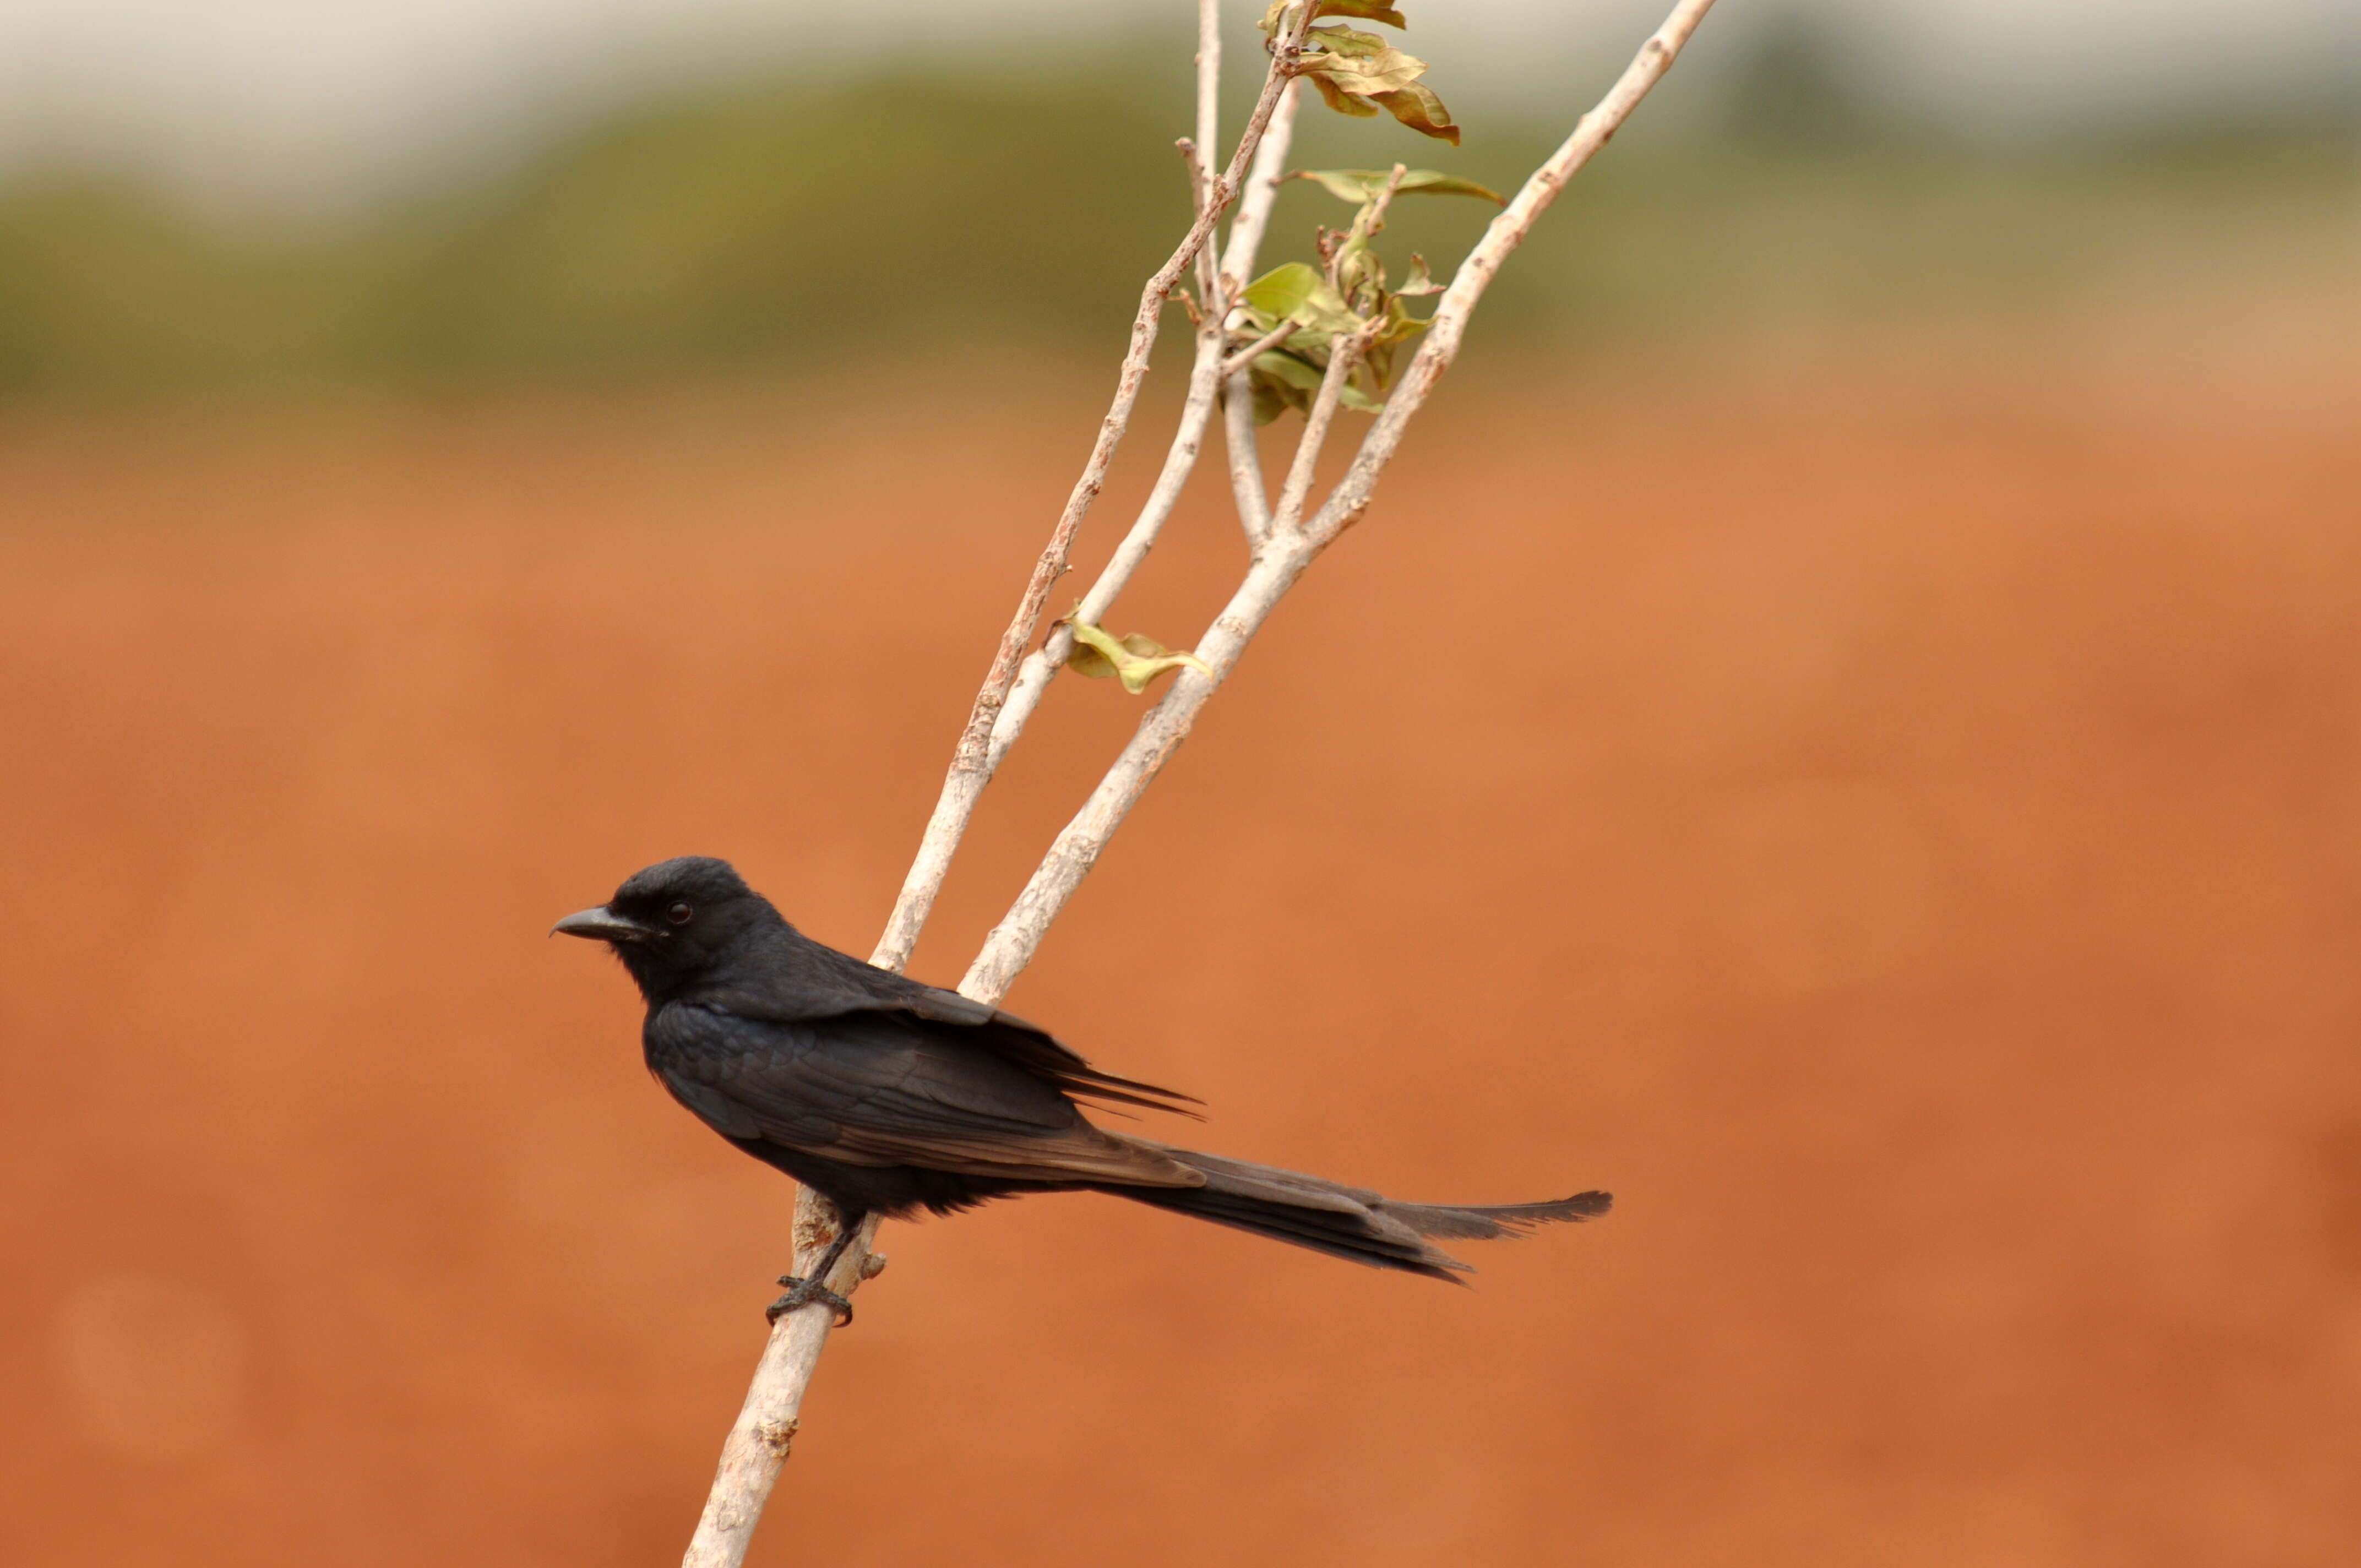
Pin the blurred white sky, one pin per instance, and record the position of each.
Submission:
(300, 101)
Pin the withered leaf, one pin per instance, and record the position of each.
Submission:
(1418, 107)
(1368, 10)
(1362, 64)
(1344, 102)
(1134, 660)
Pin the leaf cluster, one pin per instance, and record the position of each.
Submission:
(1360, 73)
(1348, 296)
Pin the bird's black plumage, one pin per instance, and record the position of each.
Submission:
(890, 1096)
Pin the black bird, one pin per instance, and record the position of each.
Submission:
(889, 1096)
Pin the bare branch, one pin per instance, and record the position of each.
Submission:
(1012, 943)
(1352, 495)
(1042, 665)
(1247, 491)
(971, 762)
(1196, 166)
(1209, 81)
(1376, 220)
(1235, 365)
(1208, 138)
(1237, 263)
(1261, 191)
(1343, 354)
(758, 1444)
(759, 1440)
(1281, 559)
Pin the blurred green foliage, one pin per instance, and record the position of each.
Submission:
(775, 222)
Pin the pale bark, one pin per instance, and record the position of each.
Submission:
(1284, 547)
(1246, 491)
(1245, 357)
(1041, 667)
(1282, 557)
(764, 1431)
(1441, 345)
(970, 768)
(1343, 354)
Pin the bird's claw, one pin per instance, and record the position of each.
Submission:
(803, 1293)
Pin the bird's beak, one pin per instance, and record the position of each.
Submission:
(603, 925)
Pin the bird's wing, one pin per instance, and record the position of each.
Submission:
(1037, 1051)
(852, 989)
(883, 1087)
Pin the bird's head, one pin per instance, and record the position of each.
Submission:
(674, 922)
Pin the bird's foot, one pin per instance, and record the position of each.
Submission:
(803, 1293)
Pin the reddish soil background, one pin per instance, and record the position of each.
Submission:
(1898, 830)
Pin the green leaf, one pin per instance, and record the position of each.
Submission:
(1296, 292)
(1134, 660)
(1282, 382)
(1363, 185)
(1296, 374)
(1421, 110)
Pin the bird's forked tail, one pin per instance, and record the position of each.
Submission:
(1347, 1222)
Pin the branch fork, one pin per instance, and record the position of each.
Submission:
(1283, 542)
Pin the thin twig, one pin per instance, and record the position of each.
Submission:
(971, 762)
(758, 1444)
(1351, 497)
(1281, 559)
(1343, 354)
(1012, 943)
(1042, 665)
(1208, 138)
(1261, 193)
(1376, 221)
(1209, 81)
(1237, 261)
(1366, 224)
(1196, 166)
(1208, 281)
(1237, 363)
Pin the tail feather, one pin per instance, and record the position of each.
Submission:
(1347, 1222)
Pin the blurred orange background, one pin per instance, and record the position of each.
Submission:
(1893, 827)
(1840, 728)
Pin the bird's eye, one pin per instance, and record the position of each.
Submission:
(679, 913)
